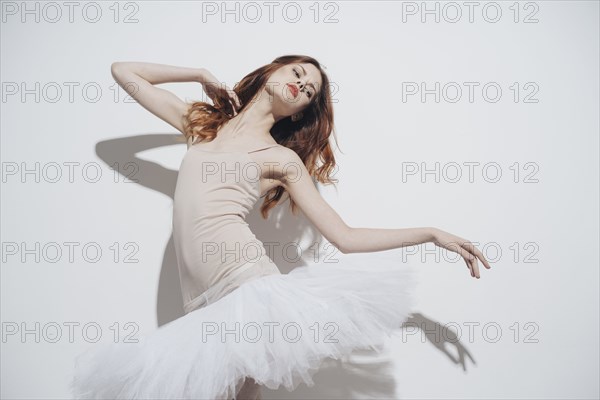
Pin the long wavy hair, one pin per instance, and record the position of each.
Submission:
(308, 136)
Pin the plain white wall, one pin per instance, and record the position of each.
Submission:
(538, 223)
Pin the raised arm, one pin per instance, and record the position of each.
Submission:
(138, 80)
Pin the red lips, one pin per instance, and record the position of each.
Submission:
(293, 89)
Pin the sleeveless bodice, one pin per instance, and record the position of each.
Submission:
(214, 245)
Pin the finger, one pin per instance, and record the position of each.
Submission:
(232, 95)
(468, 257)
(475, 251)
(468, 246)
(473, 263)
(466, 263)
(476, 267)
(230, 108)
(233, 110)
(485, 262)
(468, 266)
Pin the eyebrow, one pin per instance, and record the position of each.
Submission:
(311, 84)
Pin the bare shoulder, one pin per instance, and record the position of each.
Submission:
(287, 159)
(285, 154)
(278, 155)
(280, 163)
(288, 166)
(300, 186)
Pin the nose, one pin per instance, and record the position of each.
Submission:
(300, 85)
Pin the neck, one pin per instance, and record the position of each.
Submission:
(256, 120)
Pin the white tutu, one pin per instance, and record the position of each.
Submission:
(276, 329)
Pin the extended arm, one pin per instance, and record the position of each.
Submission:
(356, 240)
(301, 188)
(359, 240)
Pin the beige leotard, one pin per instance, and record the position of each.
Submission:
(216, 250)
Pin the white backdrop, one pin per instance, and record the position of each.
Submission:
(514, 168)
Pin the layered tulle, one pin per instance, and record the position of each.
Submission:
(277, 329)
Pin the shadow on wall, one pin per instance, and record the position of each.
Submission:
(122, 153)
(368, 374)
(340, 379)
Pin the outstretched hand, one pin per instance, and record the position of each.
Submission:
(220, 94)
(463, 247)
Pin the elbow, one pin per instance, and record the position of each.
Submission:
(117, 68)
(114, 67)
(345, 249)
(343, 242)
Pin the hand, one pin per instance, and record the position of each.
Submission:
(220, 94)
(463, 247)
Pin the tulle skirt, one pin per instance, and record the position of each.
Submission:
(275, 328)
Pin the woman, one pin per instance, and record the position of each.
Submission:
(264, 138)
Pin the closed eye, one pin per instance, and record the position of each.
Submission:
(298, 76)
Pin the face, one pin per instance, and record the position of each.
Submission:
(293, 87)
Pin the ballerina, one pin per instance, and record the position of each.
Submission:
(234, 338)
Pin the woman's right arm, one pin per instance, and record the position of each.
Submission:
(138, 80)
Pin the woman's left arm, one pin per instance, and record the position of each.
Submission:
(361, 240)
(368, 239)
(301, 188)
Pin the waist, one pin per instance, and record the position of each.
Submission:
(244, 273)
